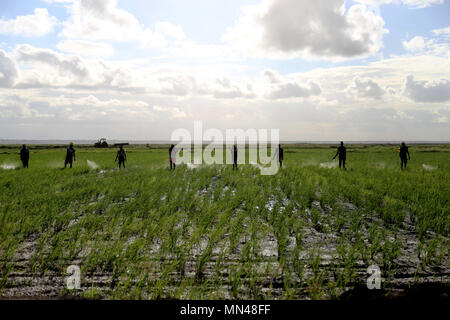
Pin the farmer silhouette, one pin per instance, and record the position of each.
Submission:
(172, 157)
(70, 156)
(235, 157)
(404, 155)
(280, 155)
(24, 156)
(121, 156)
(342, 153)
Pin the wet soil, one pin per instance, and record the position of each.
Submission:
(409, 279)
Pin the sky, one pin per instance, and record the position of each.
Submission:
(322, 70)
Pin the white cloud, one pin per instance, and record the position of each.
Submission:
(442, 32)
(421, 3)
(234, 93)
(415, 44)
(272, 75)
(97, 20)
(294, 90)
(150, 39)
(63, 109)
(92, 101)
(13, 106)
(9, 71)
(319, 29)
(33, 25)
(424, 91)
(100, 20)
(436, 46)
(86, 48)
(180, 85)
(170, 30)
(367, 88)
(176, 85)
(411, 3)
(118, 92)
(174, 112)
(225, 89)
(45, 68)
(64, 64)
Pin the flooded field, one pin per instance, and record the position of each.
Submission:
(208, 232)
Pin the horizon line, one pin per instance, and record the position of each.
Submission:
(164, 142)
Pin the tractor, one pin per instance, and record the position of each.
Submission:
(101, 143)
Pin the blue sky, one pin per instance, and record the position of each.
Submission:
(322, 70)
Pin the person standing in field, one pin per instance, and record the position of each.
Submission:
(25, 156)
(121, 156)
(280, 155)
(342, 153)
(172, 157)
(235, 157)
(404, 155)
(70, 156)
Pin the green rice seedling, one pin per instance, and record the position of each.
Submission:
(374, 246)
(393, 211)
(347, 255)
(316, 219)
(235, 274)
(166, 225)
(390, 251)
(315, 285)
(434, 252)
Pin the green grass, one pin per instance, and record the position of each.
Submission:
(213, 233)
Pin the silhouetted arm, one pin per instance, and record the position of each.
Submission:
(336, 154)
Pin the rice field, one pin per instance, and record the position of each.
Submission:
(208, 232)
